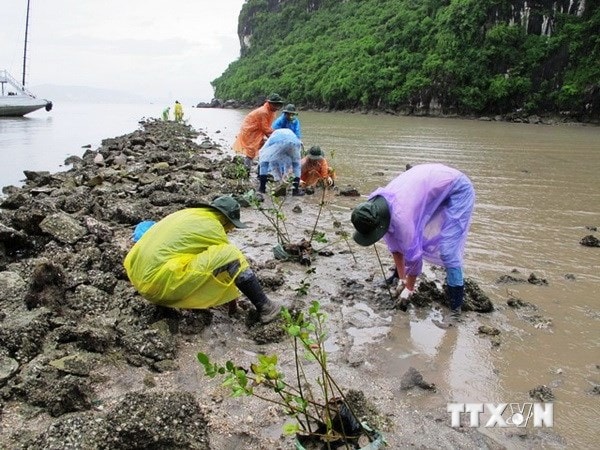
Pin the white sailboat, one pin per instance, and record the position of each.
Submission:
(15, 99)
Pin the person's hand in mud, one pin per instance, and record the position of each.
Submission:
(404, 294)
(405, 290)
(402, 291)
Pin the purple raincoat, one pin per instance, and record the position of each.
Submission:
(430, 213)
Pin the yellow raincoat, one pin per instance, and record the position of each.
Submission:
(173, 263)
(178, 112)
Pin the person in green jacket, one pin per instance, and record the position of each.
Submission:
(186, 261)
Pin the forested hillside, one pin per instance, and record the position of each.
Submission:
(421, 56)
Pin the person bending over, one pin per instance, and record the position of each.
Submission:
(256, 128)
(423, 213)
(186, 261)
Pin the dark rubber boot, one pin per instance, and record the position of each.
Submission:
(296, 191)
(263, 183)
(456, 294)
(248, 283)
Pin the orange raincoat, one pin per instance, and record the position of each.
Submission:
(314, 170)
(255, 128)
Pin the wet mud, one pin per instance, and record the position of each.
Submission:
(86, 362)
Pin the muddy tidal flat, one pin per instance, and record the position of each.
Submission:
(85, 362)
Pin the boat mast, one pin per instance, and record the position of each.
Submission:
(25, 46)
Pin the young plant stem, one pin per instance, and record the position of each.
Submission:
(289, 407)
(383, 272)
(344, 236)
(331, 380)
(321, 204)
(299, 381)
(274, 219)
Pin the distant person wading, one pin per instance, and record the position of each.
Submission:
(178, 111)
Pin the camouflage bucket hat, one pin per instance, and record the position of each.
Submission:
(275, 98)
(230, 208)
(371, 220)
(315, 153)
(290, 108)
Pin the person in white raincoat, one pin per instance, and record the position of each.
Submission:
(282, 148)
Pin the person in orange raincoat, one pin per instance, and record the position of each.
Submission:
(256, 128)
(314, 167)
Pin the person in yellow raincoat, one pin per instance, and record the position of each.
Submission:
(186, 261)
(256, 128)
(178, 111)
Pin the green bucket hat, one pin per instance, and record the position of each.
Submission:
(290, 108)
(371, 220)
(275, 98)
(230, 208)
(315, 153)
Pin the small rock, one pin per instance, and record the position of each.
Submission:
(541, 393)
(413, 378)
(490, 331)
(590, 241)
(99, 159)
(534, 279)
(8, 367)
(350, 192)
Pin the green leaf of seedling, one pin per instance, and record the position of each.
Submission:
(309, 357)
(241, 378)
(285, 313)
(320, 237)
(294, 330)
(230, 381)
(301, 403)
(238, 392)
(314, 308)
(229, 366)
(289, 429)
(203, 359)
(270, 360)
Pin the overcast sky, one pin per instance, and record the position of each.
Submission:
(159, 49)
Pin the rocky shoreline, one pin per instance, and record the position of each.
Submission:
(86, 363)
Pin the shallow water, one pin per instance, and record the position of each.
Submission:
(537, 189)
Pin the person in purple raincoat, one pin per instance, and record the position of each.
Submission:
(422, 214)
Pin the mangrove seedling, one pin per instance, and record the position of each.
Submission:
(317, 405)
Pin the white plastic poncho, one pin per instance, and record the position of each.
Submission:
(281, 149)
